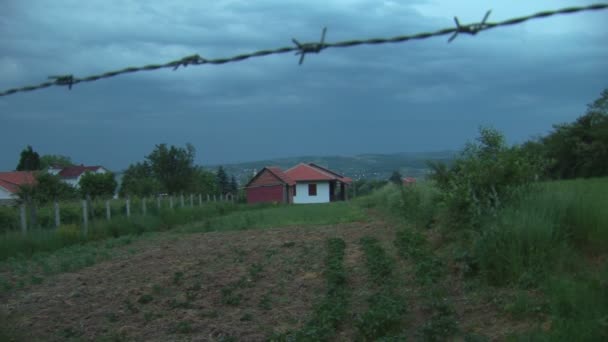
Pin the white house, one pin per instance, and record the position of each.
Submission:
(73, 174)
(315, 184)
(11, 181)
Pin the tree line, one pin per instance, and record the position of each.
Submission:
(488, 173)
(166, 170)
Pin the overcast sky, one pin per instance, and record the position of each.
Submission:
(416, 96)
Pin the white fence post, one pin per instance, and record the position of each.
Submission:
(191, 200)
(181, 199)
(85, 218)
(57, 217)
(143, 206)
(171, 201)
(128, 207)
(158, 202)
(200, 200)
(23, 219)
(108, 211)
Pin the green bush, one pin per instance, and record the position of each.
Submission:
(487, 175)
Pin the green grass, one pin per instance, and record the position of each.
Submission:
(15, 244)
(332, 310)
(542, 240)
(387, 308)
(282, 216)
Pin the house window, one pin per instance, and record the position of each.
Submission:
(312, 189)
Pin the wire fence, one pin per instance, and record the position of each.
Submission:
(302, 49)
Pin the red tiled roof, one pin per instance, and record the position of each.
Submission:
(305, 172)
(75, 171)
(280, 174)
(12, 180)
(312, 172)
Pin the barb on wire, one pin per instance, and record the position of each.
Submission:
(189, 60)
(63, 80)
(303, 48)
(471, 29)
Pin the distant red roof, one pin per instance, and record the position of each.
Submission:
(12, 180)
(311, 172)
(75, 171)
(281, 175)
(409, 180)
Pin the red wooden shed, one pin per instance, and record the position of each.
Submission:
(270, 185)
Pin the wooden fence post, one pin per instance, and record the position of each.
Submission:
(171, 201)
(214, 198)
(108, 211)
(57, 217)
(23, 219)
(85, 218)
(208, 198)
(128, 207)
(200, 200)
(143, 206)
(191, 200)
(158, 202)
(181, 199)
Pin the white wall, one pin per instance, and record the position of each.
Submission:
(5, 194)
(302, 193)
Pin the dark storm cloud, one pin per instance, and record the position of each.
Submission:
(422, 95)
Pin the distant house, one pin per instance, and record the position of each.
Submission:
(73, 174)
(303, 183)
(409, 180)
(11, 181)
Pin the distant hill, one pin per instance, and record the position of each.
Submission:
(363, 166)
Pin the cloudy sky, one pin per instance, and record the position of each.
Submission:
(417, 96)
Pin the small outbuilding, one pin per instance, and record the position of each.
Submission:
(303, 183)
(271, 184)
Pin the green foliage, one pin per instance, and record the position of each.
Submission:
(396, 178)
(49, 160)
(483, 178)
(173, 167)
(328, 314)
(387, 308)
(50, 187)
(223, 184)
(98, 185)
(29, 160)
(138, 180)
(538, 235)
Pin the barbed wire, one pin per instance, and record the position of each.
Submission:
(306, 48)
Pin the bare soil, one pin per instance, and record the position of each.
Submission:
(220, 286)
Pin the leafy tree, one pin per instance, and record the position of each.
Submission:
(29, 160)
(204, 182)
(396, 178)
(223, 184)
(139, 180)
(50, 187)
(580, 148)
(484, 177)
(98, 184)
(49, 160)
(173, 167)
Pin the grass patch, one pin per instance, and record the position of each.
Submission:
(16, 244)
(332, 310)
(387, 308)
(282, 216)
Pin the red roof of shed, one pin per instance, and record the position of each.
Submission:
(75, 171)
(12, 180)
(281, 175)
